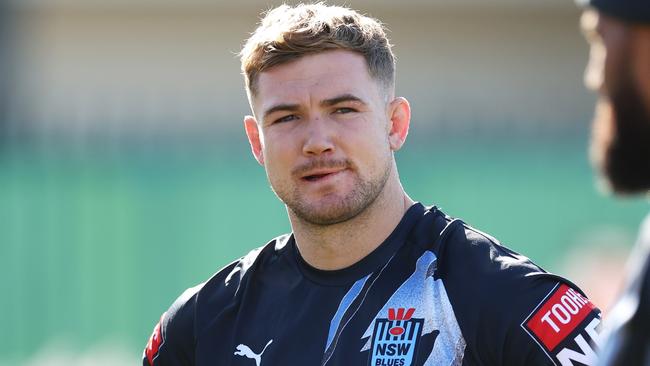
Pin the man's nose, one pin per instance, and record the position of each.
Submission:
(594, 76)
(319, 137)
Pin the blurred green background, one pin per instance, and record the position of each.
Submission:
(125, 175)
(97, 246)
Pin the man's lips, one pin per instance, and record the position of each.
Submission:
(320, 174)
(321, 170)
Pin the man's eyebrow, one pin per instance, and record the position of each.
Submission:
(281, 107)
(326, 103)
(342, 98)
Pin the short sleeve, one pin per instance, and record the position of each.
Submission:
(558, 326)
(172, 341)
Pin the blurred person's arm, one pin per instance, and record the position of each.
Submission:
(629, 324)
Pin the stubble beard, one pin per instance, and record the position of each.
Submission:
(340, 209)
(620, 146)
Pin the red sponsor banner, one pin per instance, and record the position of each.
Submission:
(559, 315)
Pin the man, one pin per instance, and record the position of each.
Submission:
(619, 70)
(367, 276)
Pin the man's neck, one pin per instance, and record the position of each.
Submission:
(341, 245)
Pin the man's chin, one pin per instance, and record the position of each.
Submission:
(620, 146)
(326, 211)
(615, 177)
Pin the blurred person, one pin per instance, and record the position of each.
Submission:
(368, 276)
(618, 32)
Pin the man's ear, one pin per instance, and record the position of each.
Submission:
(399, 113)
(253, 133)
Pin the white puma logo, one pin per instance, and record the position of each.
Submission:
(244, 350)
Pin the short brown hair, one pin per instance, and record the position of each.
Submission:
(287, 33)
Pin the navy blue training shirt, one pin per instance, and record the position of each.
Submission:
(435, 292)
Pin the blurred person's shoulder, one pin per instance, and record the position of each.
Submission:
(638, 276)
(510, 310)
(644, 234)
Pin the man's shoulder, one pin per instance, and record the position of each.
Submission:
(474, 259)
(174, 336)
(481, 255)
(519, 311)
(644, 234)
(231, 276)
(462, 250)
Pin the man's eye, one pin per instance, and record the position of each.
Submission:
(344, 110)
(288, 118)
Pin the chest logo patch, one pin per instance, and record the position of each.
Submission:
(245, 351)
(395, 339)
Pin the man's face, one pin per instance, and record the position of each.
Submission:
(620, 146)
(323, 134)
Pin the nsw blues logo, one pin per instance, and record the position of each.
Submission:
(395, 339)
